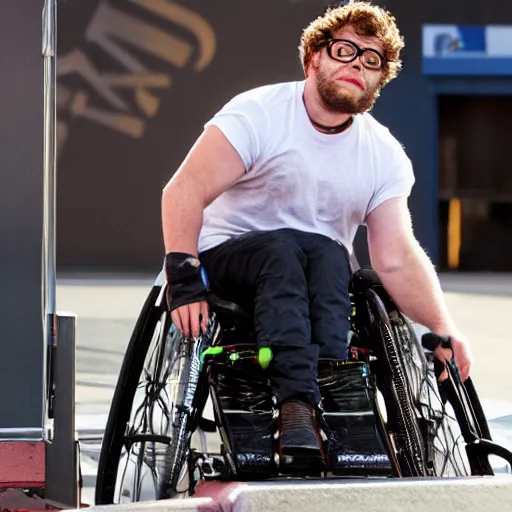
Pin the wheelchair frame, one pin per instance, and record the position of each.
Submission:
(375, 320)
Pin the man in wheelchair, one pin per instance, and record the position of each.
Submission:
(265, 207)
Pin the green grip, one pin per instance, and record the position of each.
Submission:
(211, 351)
(264, 357)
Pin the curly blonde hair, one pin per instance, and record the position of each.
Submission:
(368, 21)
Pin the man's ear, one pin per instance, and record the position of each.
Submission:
(314, 63)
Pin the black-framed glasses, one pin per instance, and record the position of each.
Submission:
(346, 51)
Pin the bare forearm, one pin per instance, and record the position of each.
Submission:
(182, 217)
(414, 286)
(410, 278)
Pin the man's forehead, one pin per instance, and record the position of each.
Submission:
(365, 41)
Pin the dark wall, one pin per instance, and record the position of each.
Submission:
(136, 87)
(407, 105)
(21, 199)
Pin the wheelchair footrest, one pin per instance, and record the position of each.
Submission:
(251, 440)
(355, 444)
(244, 404)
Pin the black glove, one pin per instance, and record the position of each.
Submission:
(185, 280)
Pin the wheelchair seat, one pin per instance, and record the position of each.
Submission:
(229, 309)
(361, 280)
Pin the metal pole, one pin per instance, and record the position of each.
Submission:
(49, 51)
(62, 454)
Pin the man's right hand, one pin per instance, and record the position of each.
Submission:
(191, 319)
(186, 293)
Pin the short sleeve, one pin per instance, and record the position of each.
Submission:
(396, 180)
(244, 123)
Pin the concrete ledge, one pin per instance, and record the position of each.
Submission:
(492, 494)
(476, 494)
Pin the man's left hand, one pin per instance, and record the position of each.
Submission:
(462, 352)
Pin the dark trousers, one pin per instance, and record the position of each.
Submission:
(296, 284)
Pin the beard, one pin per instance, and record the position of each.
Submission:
(343, 101)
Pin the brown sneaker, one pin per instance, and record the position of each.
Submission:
(300, 443)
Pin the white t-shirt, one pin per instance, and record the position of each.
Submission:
(297, 177)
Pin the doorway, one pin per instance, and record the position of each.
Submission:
(475, 182)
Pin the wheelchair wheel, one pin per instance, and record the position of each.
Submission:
(143, 423)
(442, 437)
(436, 429)
(428, 437)
(402, 420)
(119, 417)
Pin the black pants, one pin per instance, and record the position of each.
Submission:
(297, 284)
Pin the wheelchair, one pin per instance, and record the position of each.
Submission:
(385, 413)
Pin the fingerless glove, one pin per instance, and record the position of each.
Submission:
(186, 280)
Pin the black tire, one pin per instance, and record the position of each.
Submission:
(402, 417)
(120, 409)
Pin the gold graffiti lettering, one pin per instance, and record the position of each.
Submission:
(110, 24)
(104, 84)
(191, 21)
(124, 123)
(116, 32)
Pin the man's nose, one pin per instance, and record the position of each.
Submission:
(356, 63)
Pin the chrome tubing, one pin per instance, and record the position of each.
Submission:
(49, 52)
